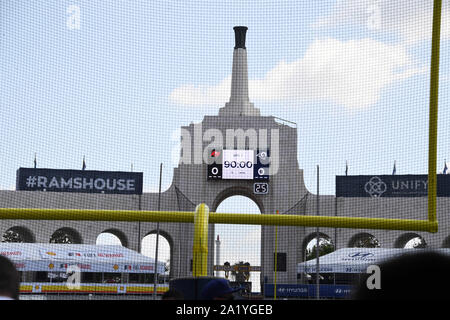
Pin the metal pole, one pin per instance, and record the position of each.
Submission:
(433, 118)
(335, 239)
(157, 237)
(200, 249)
(216, 218)
(317, 243)
(139, 223)
(276, 261)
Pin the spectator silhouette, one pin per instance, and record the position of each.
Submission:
(172, 294)
(417, 275)
(218, 289)
(9, 280)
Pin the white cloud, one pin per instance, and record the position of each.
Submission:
(411, 20)
(202, 95)
(350, 73)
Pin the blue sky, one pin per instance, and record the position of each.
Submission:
(357, 89)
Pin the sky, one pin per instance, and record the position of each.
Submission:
(113, 81)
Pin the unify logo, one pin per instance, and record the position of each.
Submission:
(200, 146)
(375, 187)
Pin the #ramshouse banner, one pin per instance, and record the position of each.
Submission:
(390, 186)
(84, 181)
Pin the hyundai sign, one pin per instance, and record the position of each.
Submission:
(84, 181)
(390, 186)
(308, 290)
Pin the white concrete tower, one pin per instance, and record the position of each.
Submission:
(239, 103)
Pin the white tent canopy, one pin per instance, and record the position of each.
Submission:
(88, 258)
(354, 260)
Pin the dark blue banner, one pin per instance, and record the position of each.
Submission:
(390, 186)
(84, 181)
(308, 291)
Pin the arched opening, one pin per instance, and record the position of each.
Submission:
(66, 236)
(410, 240)
(446, 243)
(112, 237)
(326, 245)
(364, 240)
(238, 245)
(309, 252)
(18, 234)
(148, 248)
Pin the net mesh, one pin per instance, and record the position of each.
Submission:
(336, 94)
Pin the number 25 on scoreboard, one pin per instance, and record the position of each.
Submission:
(260, 188)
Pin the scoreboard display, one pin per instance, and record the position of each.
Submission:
(238, 165)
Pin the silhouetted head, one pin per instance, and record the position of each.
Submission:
(172, 294)
(218, 289)
(416, 275)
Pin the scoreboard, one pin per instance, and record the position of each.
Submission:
(238, 165)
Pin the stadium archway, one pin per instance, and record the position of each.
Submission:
(364, 240)
(112, 237)
(410, 240)
(165, 248)
(66, 235)
(229, 239)
(446, 243)
(18, 234)
(326, 245)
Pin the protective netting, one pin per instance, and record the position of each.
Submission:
(305, 109)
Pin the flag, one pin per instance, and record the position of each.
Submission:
(84, 164)
(35, 161)
(394, 170)
(346, 168)
(445, 167)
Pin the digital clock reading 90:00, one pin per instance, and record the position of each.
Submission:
(235, 164)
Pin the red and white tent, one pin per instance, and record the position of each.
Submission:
(88, 258)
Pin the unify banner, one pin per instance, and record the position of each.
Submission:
(390, 186)
(111, 182)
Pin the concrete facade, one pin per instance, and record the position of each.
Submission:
(190, 186)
